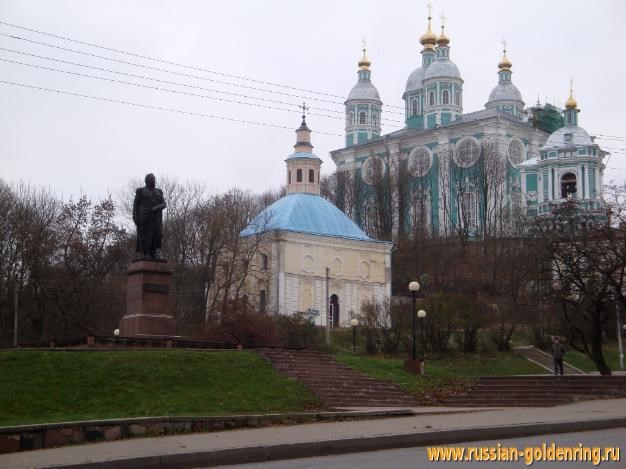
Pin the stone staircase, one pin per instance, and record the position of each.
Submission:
(335, 384)
(538, 391)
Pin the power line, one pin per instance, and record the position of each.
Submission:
(190, 67)
(166, 81)
(112, 80)
(147, 106)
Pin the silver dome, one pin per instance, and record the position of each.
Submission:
(557, 138)
(505, 91)
(364, 90)
(442, 68)
(414, 82)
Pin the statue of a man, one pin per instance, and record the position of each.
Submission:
(148, 217)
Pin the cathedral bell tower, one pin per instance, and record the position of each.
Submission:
(303, 167)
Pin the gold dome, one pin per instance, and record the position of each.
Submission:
(505, 63)
(443, 40)
(571, 103)
(364, 63)
(428, 38)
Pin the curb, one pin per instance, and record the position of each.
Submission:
(265, 453)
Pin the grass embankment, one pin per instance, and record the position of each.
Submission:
(40, 386)
(447, 375)
(582, 361)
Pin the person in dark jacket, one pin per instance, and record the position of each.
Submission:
(557, 354)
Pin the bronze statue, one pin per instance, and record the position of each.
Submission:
(148, 217)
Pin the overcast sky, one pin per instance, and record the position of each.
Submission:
(79, 145)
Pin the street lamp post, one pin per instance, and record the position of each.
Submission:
(414, 287)
(354, 323)
(422, 315)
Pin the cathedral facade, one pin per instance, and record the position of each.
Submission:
(453, 170)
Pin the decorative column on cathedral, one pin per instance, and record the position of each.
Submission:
(303, 167)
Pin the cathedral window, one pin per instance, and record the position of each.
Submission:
(568, 185)
(420, 162)
(288, 176)
(431, 98)
(375, 120)
(362, 118)
(516, 151)
(445, 97)
(467, 153)
(469, 209)
(457, 98)
(299, 175)
(311, 175)
(264, 261)
(414, 107)
(262, 301)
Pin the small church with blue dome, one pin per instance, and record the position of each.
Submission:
(310, 251)
(465, 172)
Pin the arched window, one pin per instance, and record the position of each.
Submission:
(299, 176)
(469, 209)
(333, 311)
(568, 185)
(414, 107)
(362, 118)
(263, 261)
(457, 98)
(445, 97)
(516, 151)
(375, 120)
(431, 98)
(311, 175)
(288, 176)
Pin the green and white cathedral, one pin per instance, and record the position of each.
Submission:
(466, 170)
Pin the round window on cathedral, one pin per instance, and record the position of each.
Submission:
(373, 170)
(420, 162)
(467, 153)
(516, 151)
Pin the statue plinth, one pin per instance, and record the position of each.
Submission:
(148, 301)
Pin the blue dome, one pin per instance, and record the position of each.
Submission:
(305, 213)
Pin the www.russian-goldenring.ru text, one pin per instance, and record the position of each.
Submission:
(530, 454)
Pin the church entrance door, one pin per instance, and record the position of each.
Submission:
(334, 311)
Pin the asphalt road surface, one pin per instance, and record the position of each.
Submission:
(417, 457)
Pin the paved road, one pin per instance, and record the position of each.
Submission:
(413, 458)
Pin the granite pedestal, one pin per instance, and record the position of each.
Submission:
(148, 301)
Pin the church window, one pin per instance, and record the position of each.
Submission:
(262, 301)
(299, 175)
(568, 138)
(420, 162)
(311, 175)
(467, 153)
(431, 98)
(264, 261)
(568, 185)
(414, 107)
(288, 176)
(375, 119)
(445, 97)
(457, 98)
(469, 209)
(516, 151)
(362, 118)
(421, 212)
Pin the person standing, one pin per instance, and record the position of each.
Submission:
(557, 354)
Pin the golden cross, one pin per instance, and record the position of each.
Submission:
(364, 44)
(571, 85)
(430, 9)
(304, 109)
(504, 44)
(443, 19)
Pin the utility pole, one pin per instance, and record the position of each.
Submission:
(327, 308)
(619, 334)
(15, 310)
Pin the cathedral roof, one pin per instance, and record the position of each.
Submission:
(505, 91)
(364, 90)
(414, 82)
(302, 154)
(442, 67)
(305, 213)
(557, 138)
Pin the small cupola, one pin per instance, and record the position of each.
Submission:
(303, 167)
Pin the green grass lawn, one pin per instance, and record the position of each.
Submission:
(43, 386)
(446, 375)
(582, 361)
